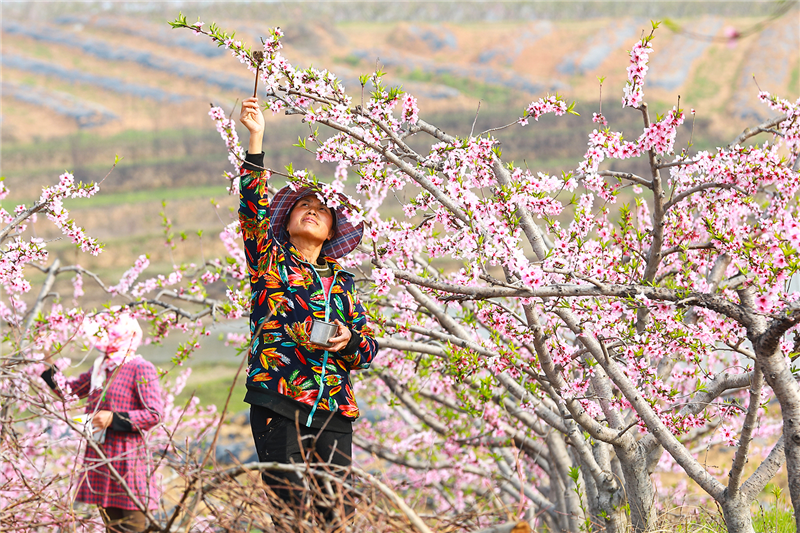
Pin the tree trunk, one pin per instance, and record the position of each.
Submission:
(607, 500)
(561, 462)
(736, 514)
(613, 518)
(639, 487)
(779, 376)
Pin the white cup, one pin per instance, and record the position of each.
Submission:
(321, 332)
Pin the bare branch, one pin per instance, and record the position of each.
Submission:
(702, 187)
(626, 176)
(19, 218)
(713, 302)
(764, 127)
(661, 432)
(740, 458)
(678, 163)
(765, 472)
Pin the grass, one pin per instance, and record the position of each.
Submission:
(490, 94)
(775, 519)
(773, 515)
(772, 521)
(704, 84)
(143, 196)
(84, 138)
(211, 382)
(794, 83)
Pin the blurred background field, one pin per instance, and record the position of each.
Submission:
(85, 82)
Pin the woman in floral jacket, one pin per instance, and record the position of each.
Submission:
(123, 401)
(292, 244)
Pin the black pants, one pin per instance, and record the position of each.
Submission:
(277, 440)
(122, 520)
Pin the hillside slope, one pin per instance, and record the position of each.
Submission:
(82, 84)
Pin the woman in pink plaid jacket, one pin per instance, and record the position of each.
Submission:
(123, 401)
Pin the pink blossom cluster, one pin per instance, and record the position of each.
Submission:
(658, 137)
(53, 196)
(598, 118)
(410, 109)
(550, 104)
(77, 286)
(130, 276)
(382, 277)
(791, 126)
(226, 127)
(633, 92)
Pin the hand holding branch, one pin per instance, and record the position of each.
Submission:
(253, 119)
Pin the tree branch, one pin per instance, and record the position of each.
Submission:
(660, 431)
(739, 460)
(702, 187)
(765, 472)
(626, 176)
(715, 303)
(755, 130)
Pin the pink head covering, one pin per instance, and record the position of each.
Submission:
(115, 334)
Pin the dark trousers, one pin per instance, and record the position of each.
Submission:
(277, 440)
(123, 520)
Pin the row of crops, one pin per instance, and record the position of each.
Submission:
(103, 50)
(86, 114)
(671, 65)
(115, 85)
(486, 75)
(162, 34)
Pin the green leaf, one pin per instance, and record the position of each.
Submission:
(671, 24)
(571, 111)
(574, 472)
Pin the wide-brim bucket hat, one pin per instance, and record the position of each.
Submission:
(344, 240)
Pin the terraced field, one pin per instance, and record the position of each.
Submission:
(85, 82)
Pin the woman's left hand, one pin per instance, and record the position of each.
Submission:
(339, 340)
(102, 419)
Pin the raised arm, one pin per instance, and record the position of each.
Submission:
(253, 201)
(253, 119)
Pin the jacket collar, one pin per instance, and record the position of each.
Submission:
(335, 266)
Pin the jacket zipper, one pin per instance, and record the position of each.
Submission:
(327, 353)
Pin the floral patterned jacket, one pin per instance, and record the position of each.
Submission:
(287, 294)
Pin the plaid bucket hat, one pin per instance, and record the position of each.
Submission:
(344, 240)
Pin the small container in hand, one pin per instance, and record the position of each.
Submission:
(321, 332)
(98, 435)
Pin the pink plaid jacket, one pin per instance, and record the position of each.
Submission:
(133, 389)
